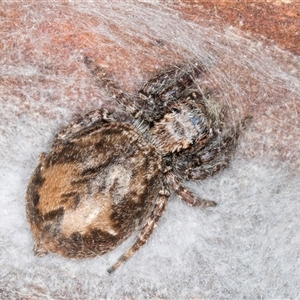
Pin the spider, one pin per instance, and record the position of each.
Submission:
(106, 177)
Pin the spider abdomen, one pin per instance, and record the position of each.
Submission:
(86, 197)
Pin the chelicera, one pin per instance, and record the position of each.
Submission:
(105, 178)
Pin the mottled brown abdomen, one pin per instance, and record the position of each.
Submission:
(92, 191)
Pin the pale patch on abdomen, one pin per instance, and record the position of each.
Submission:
(94, 210)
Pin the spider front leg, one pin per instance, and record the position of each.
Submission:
(87, 123)
(172, 82)
(205, 171)
(112, 87)
(185, 194)
(215, 156)
(146, 230)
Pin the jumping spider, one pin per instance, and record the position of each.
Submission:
(105, 177)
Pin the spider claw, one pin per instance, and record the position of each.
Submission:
(111, 270)
(204, 203)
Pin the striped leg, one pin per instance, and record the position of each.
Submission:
(184, 194)
(145, 231)
(85, 124)
(112, 87)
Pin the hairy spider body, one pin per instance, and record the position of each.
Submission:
(104, 178)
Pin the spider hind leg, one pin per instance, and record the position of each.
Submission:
(146, 230)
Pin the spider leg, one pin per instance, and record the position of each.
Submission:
(146, 230)
(216, 156)
(89, 122)
(112, 87)
(174, 80)
(185, 194)
(205, 171)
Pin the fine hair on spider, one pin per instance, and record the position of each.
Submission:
(104, 178)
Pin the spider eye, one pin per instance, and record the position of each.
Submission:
(175, 110)
(195, 120)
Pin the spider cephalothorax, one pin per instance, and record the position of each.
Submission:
(104, 178)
